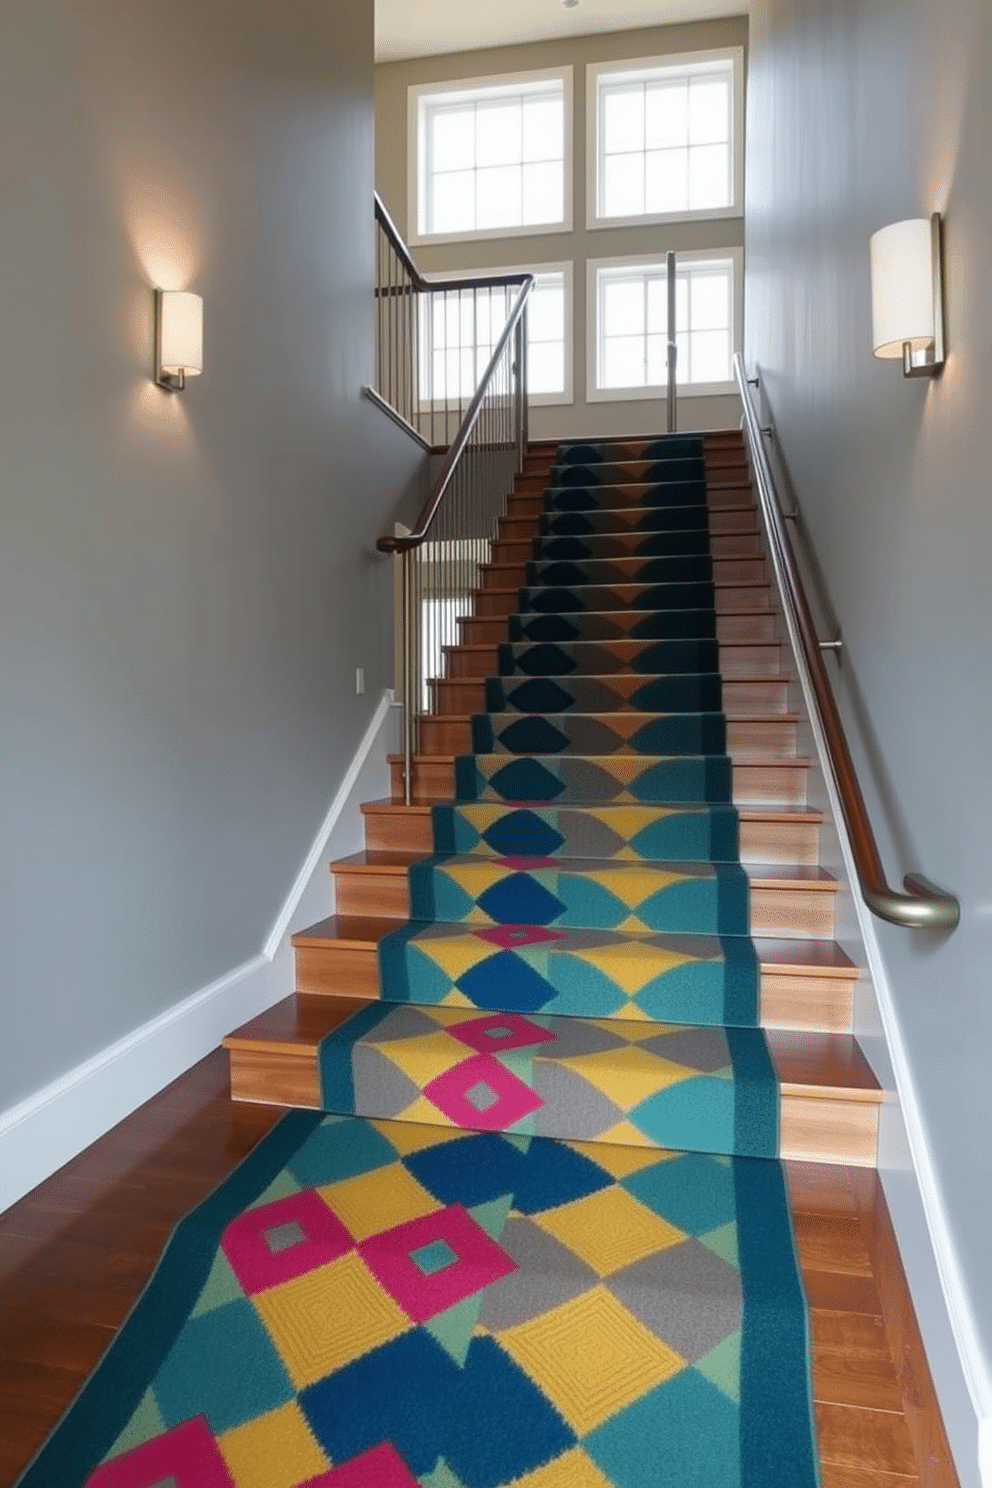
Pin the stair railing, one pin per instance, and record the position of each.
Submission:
(432, 337)
(923, 905)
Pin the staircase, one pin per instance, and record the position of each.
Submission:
(829, 1098)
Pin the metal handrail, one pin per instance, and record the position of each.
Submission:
(923, 905)
(442, 480)
(430, 286)
(441, 558)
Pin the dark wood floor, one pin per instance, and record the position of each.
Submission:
(75, 1253)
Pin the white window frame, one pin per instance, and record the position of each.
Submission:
(596, 71)
(567, 270)
(418, 91)
(653, 391)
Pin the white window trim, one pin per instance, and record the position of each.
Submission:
(596, 70)
(567, 269)
(654, 391)
(417, 91)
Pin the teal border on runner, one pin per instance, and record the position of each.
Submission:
(777, 1429)
(111, 1395)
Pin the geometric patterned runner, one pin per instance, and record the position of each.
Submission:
(636, 1084)
(384, 1305)
(538, 1241)
(588, 867)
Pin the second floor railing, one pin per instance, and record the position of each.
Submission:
(434, 337)
(452, 368)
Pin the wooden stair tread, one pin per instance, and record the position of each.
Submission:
(386, 807)
(829, 1066)
(521, 677)
(709, 437)
(777, 956)
(766, 717)
(736, 507)
(642, 641)
(631, 584)
(758, 760)
(760, 612)
(766, 875)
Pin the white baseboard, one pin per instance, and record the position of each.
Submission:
(315, 858)
(48, 1128)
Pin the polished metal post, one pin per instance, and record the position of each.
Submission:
(524, 413)
(406, 559)
(673, 350)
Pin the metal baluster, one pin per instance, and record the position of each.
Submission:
(673, 350)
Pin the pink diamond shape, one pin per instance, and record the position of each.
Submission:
(501, 1098)
(188, 1454)
(480, 1262)
(509, 936)
(500, 1031)
(383, 1467)
(259, 1262)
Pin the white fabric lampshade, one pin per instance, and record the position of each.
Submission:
(181, 346)
(902, 295)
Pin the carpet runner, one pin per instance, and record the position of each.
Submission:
(537, 1236)
(382, 1305)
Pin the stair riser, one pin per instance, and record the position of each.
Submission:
(523, 526)
(773, 784)
(768, 737)
(760, 841)
(490, 630)
(737, 659)
(834, 1131)
(731, 545)
(819, 1003)
(728, 599)
(732, 505)
(468, 695)
(725, 571)
(723, 487)
(785, 912)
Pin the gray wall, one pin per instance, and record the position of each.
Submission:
(392, 81)
(185, 582)
(859, 116)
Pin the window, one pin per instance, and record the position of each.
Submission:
(628, 305)
(549, 336)
(667, 139)
(489, 157)
(459, 331)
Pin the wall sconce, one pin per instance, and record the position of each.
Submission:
(178, 338)
(907, 295)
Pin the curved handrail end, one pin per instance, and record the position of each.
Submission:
(924, 906)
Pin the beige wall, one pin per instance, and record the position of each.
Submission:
(861, 115)
(392, 81)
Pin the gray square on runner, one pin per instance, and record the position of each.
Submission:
(482, 1097)
(283, 1237)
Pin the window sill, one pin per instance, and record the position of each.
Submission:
(659, 393)
(542, 230)
(659, 219)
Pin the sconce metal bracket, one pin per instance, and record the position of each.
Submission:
(929, 361)
(172, 382)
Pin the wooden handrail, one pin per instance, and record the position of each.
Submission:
(923, 905)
